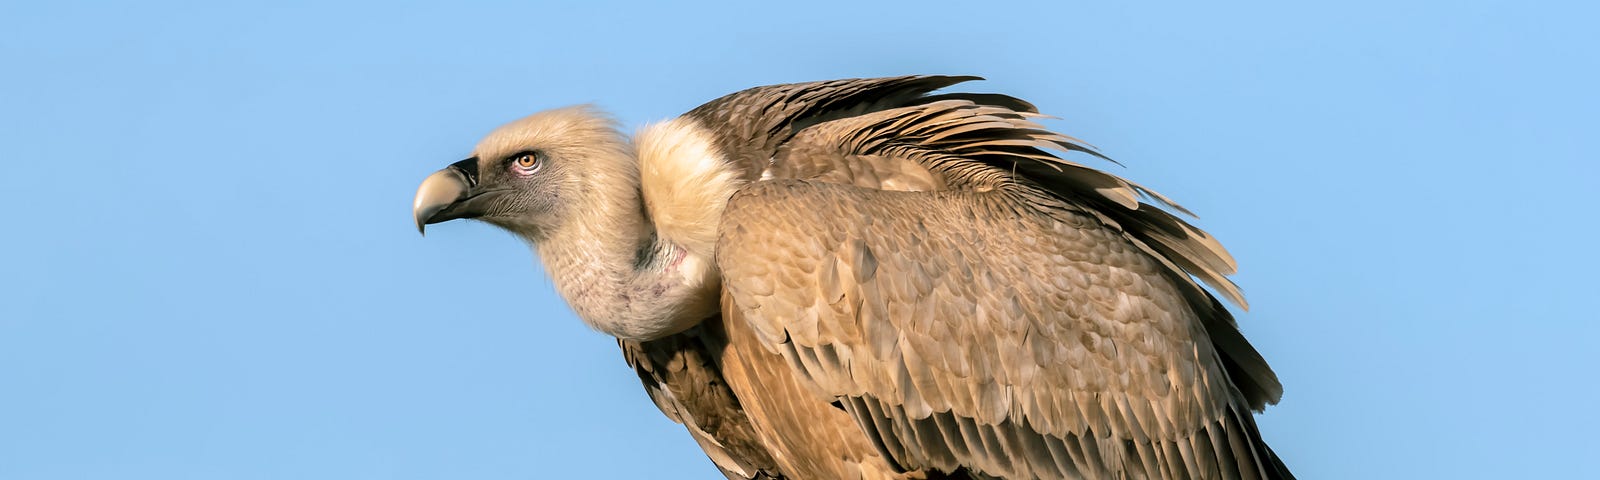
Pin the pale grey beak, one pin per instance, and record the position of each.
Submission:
(448, 194)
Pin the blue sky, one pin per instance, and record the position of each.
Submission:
(208, 267)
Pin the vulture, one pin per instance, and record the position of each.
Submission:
(868, 278)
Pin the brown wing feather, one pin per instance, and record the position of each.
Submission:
(681, 375)
(809, 438)
(1034, 311)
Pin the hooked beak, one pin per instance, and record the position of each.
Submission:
(449, 194)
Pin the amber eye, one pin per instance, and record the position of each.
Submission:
(526, 162)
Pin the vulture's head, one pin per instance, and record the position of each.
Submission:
(569, 183)
(531, 176)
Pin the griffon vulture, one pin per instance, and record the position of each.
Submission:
(863, 279)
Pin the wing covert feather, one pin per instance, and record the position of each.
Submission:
(1043, 327)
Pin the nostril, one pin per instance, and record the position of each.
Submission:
(468, 169)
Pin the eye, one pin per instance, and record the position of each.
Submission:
(526, 162)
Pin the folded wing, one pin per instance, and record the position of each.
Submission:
(975, 302)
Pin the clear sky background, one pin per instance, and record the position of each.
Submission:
(208, 268)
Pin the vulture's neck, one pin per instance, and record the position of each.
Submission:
(638, 264)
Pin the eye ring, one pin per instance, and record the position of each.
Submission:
(526, 162)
